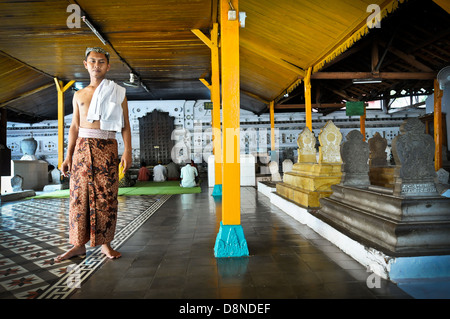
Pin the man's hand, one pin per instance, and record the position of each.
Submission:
(66, 166)
(126, 160)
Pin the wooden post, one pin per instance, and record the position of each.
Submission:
(214, 88)
(308, 111)
(362, 124)
(437, 126)
(61, 89)
(272, 126)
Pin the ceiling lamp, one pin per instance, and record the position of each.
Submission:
(366, 81)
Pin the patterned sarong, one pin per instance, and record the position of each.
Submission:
(93, 191)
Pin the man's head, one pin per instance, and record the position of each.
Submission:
(96, 62)
(98, 50)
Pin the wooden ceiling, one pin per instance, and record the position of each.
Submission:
(153, 39)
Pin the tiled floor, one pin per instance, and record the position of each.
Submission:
(34, 232)
(171, 256)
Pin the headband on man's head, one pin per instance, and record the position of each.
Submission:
(98, 50)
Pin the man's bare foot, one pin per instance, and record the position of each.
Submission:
(74, 251)
(109, 252)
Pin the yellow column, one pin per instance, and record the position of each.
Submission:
(272, 126)
(61, 89)
(215, 98)
(308, 112)
(437, 126)
(230, 241)
(231, 197)
(213, 44)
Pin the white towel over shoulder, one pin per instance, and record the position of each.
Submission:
(106, 106)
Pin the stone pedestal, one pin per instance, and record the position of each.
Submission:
(410, 219)
(230, 242)
(307, 183)
(395, 225)
(310, 180)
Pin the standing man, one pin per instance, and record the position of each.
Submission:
(99, 111)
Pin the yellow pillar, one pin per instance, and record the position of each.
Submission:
(308, 111)
(272, 126)
(437, 126)
(214, 87)
(230, 241)
(61, 89)
(215, 98)
(231, 197)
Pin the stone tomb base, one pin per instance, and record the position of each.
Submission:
(395, 267)
(396, 225)
(307, 183)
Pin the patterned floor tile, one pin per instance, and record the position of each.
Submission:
(34, 232)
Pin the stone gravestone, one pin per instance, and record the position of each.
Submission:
(310, 179)
(56, 176)
(377, 146)
(306, 146)
(413, 152)
(330, 139)
(16, 183)
(442, 176)
(287, 165)
(273, 166)
(380, 172)
(355, 157)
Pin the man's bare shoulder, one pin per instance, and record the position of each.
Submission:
(84, 91)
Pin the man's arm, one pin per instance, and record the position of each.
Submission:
(126, 136)
(66, 166)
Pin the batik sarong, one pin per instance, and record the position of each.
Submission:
(94, 184)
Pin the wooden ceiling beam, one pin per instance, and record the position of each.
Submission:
(302, 106)
(368, 75)
(27, 94)
(410, 59)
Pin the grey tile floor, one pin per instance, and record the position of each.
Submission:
(171, 256)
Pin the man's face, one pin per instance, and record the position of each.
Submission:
(96, 64)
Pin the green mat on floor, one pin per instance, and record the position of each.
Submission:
(140, 188)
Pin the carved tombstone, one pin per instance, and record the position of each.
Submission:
(378, 155)
(355, 156)
(273, 166)
(287, 165)
(56, 176)
(330, 139)
(306, 142)
(413, 152)
(16, 183)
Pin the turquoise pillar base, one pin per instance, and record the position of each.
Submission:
(230, 242)
(217, 190)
